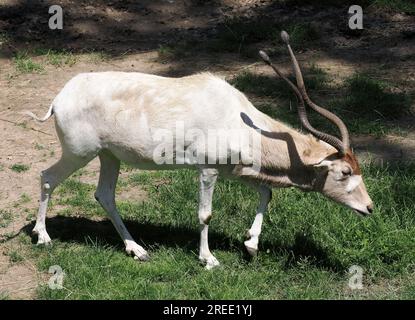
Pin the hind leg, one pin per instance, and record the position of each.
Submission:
(49, 180)
(105, 195)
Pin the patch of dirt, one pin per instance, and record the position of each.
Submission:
(17, 281)
(385, 149)
(135, 195)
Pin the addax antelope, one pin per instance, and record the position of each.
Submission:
(134, 117)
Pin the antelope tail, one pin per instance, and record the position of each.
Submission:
(46, 117)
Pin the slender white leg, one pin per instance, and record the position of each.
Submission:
(105, 195)
(49, 180)
(252, 244)
(40, 227)
(207, 181)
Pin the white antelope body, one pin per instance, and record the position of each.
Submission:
(119, 116)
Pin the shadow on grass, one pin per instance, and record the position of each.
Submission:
(77, 229)
(367, 105)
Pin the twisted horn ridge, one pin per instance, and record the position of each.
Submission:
(335, 142)
(325, 113)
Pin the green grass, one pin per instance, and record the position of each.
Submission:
(5, 218)
(39, 146)
(97, 56)
(25, 198)
(15, 256)
(307, 245)
(24, 63)
(18, 167)
(4, 296)
(373, 99)
(61, 58)
(74, 194)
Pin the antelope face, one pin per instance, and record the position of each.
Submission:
(341, 181)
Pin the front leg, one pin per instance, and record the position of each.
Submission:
(105, 195)
(207, 181)
(253, 233)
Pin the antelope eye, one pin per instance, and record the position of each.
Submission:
(347, 172)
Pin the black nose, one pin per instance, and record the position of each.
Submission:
(370, 208)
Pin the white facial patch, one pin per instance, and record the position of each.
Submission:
(353, 183)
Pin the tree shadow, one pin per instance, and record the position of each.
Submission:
(78, 229)
(382, 150)
(115, 27)
(119, 26)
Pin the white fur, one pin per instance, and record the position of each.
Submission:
(253, 233)
(354, 182)
(122, 117)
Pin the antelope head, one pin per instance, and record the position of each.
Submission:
(338, 176)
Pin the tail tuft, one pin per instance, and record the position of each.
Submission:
(46, 117)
